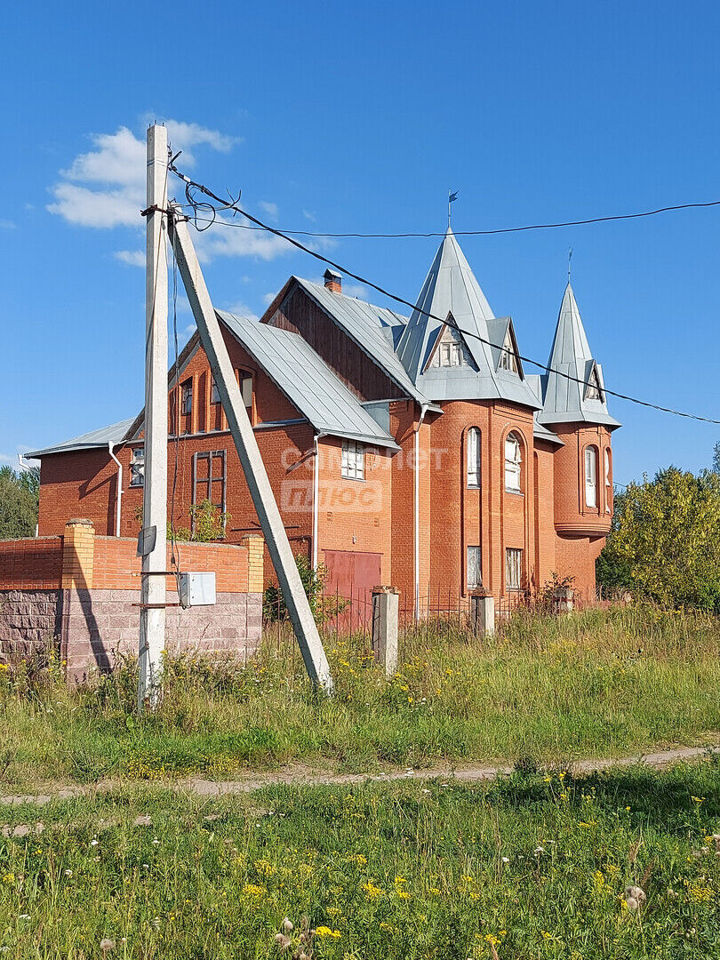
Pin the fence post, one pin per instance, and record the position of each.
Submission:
(482, 614)
(385, 627)
(78, 554)
(563, 598)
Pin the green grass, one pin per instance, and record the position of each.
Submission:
(533, 866)
(597, 683)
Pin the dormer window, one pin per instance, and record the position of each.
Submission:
(451, 351)
(508, 357)
(594, 390)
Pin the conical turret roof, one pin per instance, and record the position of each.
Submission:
(567, 400)
(452, 295)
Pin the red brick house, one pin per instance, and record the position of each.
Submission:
(401, 451)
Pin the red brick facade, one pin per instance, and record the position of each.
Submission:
(547, 519)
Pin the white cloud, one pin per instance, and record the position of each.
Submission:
(105, 187)
(237, 241)
(7, 224)
(309, 215)
(268, 298)
(133, 258)
(355, 290)
(240, 309)
(271, 209)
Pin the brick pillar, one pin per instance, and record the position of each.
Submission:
(385, 628)
(255, 544)
(482, 614)
(78, 555)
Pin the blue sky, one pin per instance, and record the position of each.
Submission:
(360, 117)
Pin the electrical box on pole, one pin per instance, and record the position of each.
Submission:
(243, 435)
(153, 537)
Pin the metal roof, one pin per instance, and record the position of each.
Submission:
(451, 290)
(565, 400)
(113, 433)
(307, 381)
(371, 328)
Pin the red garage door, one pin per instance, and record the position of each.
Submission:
(351, 577)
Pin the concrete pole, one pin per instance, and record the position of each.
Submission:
(154, 535)
(482, 615)
(256, 476)
(385, 628)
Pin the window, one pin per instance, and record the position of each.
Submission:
(508, 357)
(474, 568)
(591, 476)
(513, 461)
(245, 380)
(209, 478)
(353, 460)
(513, 569)
(608, 483)
(473, 457)
(186, 397)
(593, 391)
(137, 467)
(450, 351)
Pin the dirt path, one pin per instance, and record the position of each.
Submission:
(307, 776)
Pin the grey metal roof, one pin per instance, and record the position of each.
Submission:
(370, 327)
(565, 399)
(307, 381)
(451, 290)
(113, 433)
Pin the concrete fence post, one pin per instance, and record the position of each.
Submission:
(482, 614)
(564, 600)
(385, 601)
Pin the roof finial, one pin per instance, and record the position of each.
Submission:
(452, 197)
(570, 253)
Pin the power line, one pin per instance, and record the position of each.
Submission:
(191, 185)
(466, 233)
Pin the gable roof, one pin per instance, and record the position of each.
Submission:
(451, 291)
(114, 433)
(373, 329)
(307, 381)
(565, 399)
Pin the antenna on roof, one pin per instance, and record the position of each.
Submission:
(452, 197)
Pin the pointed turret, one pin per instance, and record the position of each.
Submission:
(567, 400)
(456, 353)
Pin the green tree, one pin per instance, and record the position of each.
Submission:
(716, 457)
(18, 502)
(664, 544)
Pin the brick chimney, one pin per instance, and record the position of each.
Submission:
(333, 281)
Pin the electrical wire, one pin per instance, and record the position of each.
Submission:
(458, 233)
(232, 205)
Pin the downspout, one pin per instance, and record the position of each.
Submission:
(423, 411)
(118, 499)
(316, 498)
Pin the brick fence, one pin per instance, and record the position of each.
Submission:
(79, 594)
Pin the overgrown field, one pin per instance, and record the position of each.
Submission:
(533, 866)
(595, 683)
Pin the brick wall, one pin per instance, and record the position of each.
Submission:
(80, 594)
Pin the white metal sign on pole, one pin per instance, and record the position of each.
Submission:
(256, 476)
(152, 541)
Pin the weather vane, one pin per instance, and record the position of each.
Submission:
(452, 197)
(570, 253)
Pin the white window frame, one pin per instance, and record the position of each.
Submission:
(513, 464)
(591, 465)
(508, 357)
(513, 568)
(474, 458)
(137, 467)
(594, 390)
(353, 460)
(608, 481)
(474, 568)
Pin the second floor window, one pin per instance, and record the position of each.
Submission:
(353, 460)
(608, 483)
(473, 457)
(513, 463)
(186, 397)
(591, 476)
(137, 467)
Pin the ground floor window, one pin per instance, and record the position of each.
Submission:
(210, 478)
(474, 568)
(513, 568)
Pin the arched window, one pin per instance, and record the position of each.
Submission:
(591, 498)
(513, 461)
(608, 482)
(473, 457)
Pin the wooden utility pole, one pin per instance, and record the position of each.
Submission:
(152, 542)
(256, 476)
